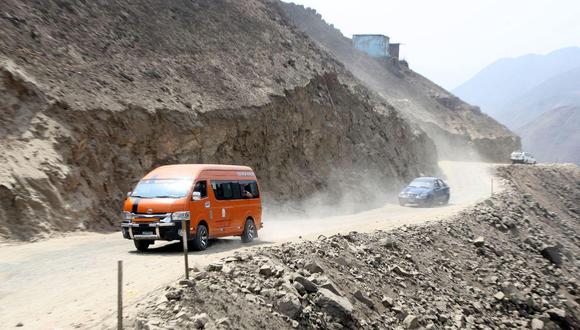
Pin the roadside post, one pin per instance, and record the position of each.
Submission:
(119, 294)
(491, 186)
(185, 235)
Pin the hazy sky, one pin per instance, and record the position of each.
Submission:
(451, 40)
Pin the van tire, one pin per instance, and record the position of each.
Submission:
(201, 240)
(141, 245)
(249, 232)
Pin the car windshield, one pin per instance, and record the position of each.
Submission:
(162, 188)
(421, 183)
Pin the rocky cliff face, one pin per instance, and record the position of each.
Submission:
(95, 94)
(460, 130)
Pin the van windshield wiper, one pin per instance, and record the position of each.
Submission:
(166, 196)
(137, 196)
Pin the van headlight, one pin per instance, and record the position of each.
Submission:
(127, 216)
(178, 216)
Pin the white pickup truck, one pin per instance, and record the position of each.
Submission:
(520, 157)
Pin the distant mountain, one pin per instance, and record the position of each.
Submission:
(506, 80)
(554, 136)
(559, 91)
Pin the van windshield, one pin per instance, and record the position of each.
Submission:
(162, 188)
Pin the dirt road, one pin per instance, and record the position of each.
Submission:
(70, 282)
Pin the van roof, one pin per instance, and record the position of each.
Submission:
(191, 170)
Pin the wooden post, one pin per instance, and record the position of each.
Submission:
(185, 235)
(119, 295)
(491, 186)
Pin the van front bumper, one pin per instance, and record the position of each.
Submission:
(167, 231)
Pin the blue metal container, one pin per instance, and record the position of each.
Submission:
(376, 45)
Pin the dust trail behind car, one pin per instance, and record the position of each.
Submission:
(469, 181)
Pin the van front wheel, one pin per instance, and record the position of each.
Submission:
(250, 231)
(141, 245)
(201, 240)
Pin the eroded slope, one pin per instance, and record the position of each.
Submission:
(460, 130)
(95, 94)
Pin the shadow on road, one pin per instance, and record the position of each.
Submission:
(216, 246)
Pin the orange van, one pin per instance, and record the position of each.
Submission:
(215, 200)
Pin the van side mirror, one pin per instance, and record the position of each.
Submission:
(195, 196)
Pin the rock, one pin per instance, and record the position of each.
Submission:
(188, 283)
(266, 270)
(479, 241)
(556, 313)
(334, 305)
(306, 283)
(499, 295)
(330, 286)
(174, 295)
(299, 287)
(200, 320)
(214, 267)
(360, 296)
(399, 271)
(19, 324)
(388, 242)
(411, 322)
(313, 268)
(387, 302)
(289, 305)
(537, 324)
(552, 253)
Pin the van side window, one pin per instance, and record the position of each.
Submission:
(249, 189)
(201, 187)
(224, 190)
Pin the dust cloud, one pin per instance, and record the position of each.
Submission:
(372, 206)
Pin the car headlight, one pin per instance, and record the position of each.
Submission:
(127, 216)
(178, 216)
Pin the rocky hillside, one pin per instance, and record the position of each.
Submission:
(460, 130)
(509, 262)
(95, 94)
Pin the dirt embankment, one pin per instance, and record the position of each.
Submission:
(99, 93)
(509, 262)
(461, 131)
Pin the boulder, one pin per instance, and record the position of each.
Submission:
(360, 296)
(388, 242)
(289, 305)
(552, 253)
(313, 268)
(330, 286)
(214, 267)
(387, 302)
(537, 324)
(200, 320)
(335, 306)
(411, 322)
(266, 270)
(308, 285)
(479, 241)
